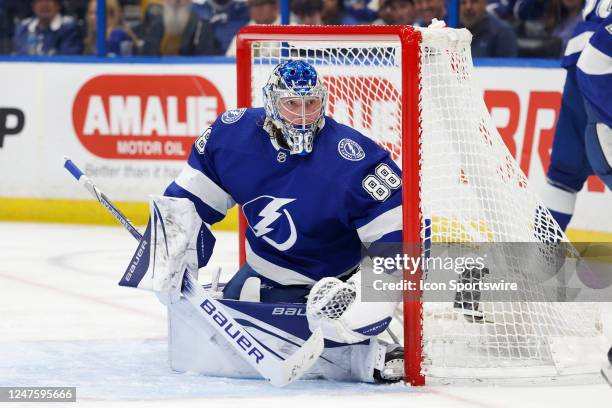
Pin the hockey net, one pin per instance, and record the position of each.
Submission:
(411, 90)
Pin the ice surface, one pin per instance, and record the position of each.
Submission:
(65, 322)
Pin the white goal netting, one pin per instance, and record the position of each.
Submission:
(472, 194)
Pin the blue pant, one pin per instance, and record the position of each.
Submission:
(569, 165)
(576, 152)
(270, 292)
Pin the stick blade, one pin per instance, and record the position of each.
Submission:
(299, 362)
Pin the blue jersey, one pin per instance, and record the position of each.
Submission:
(63, 36)
(594, 72)
(593, 13)
(307, 215)
(225, 21)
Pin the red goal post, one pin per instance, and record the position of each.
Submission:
(409, 38)
(411, 90)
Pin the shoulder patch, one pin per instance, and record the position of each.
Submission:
(350, 150)
(200, 144)
(232, 116)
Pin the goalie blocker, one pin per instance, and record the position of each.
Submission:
(177, 241)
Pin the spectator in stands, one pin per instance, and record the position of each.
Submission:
(492, 37)
(428, 10)
(503, 9)
(48, 32)
(531, 11)
(547, 25)
(333, 13)
(396, 12)
(151, 6)
(120, 39)
(11, 12)
(225, 16)
(151, 9)
(18, 9)
(178, 31)
(385, 14)
(308, 12)
(567, 13)
(261, 12)
(364, 11)
(5, 29)
(76, 8)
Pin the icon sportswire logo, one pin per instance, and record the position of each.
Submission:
(271, 222)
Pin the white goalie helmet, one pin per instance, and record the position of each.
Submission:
(295, 100)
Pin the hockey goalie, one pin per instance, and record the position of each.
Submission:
(313, 192)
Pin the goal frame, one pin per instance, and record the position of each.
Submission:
(409, 39)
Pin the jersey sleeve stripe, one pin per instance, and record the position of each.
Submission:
(594, 62)
(198, 184)
(207, 213)
(385, 223)
(274, 272)
(557, 199)
(578, 43)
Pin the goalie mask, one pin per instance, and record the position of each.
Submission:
(295, 101)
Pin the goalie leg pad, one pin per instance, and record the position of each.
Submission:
(195, 347)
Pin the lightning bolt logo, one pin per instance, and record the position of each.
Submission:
(270, 213)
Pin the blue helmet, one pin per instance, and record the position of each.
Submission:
(295, 101)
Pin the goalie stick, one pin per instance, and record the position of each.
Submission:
(278, 372)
